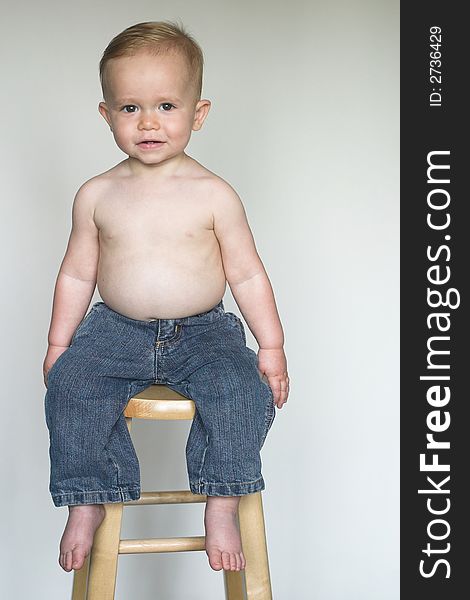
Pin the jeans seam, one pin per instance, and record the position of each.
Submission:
(88, 492)
(220, 483)
(203, 460)
(227, 489)
(269, 415)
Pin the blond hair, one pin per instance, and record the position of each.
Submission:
(156, 37)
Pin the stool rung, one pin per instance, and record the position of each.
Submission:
(177, 497)
(181, 544)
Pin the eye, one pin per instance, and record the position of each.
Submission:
(166, 106)
(129, 108)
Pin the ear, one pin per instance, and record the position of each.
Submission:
(104, 112)
(200, 113)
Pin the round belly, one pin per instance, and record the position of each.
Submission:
(158, 291)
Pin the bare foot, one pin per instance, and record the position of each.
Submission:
(223, 543)
(77, 539)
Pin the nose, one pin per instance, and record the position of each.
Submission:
(149, 120)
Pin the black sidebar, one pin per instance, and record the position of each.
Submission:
(435, 257)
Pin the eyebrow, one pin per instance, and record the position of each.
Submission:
(163, 97)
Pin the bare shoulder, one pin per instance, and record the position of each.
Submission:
(92, 191)
(99, 184)
(220, 193)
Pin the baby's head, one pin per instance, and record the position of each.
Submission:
(151, 76)
(162, 37)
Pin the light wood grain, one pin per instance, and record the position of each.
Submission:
(177, 497)
(178, 544)
(160, 403)
(253, 534)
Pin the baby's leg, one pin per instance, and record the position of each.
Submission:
(235, 410)
(77, 539)
(236, 417)
(93, 460)
(223, 542)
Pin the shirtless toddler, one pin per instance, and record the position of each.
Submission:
(160, 235)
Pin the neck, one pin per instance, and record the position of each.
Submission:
(163, 170)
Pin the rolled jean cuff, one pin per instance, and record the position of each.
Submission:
(227, 489)
(97, 497)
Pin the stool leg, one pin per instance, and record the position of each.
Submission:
(253, 534)
(104, 555)
(254, 582)
(96, 580)
(80, 581)
(234, 585)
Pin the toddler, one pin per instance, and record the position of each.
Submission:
(160, 235)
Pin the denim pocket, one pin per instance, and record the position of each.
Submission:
(53, 368)
(237, 323)
(83, 322)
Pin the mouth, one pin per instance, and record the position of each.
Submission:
(150, 144)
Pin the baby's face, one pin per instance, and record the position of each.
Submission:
(151, 105)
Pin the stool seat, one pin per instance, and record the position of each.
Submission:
(96, 580)
(161, 403)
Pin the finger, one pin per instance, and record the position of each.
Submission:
(281, 399)
(285, 385)
(283, 396)
(283, 392)
(280, 389)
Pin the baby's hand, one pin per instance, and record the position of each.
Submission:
(53, 353)
(272, 363)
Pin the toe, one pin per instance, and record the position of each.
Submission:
(215, 560)
(243, 561)
(78, 558)
(233, 562)
(239, 561)
(226, 560)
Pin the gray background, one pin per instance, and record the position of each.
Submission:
(304, 125)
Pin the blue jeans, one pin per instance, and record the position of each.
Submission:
(111, 358)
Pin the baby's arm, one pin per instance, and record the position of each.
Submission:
(76, 280)
(251, 288)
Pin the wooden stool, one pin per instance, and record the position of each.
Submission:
(96, 580)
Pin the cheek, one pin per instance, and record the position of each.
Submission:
(121, 131)
(182, 129)
(122, 140)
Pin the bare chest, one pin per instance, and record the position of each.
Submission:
(154, 219)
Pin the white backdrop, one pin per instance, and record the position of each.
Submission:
(304, 124)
